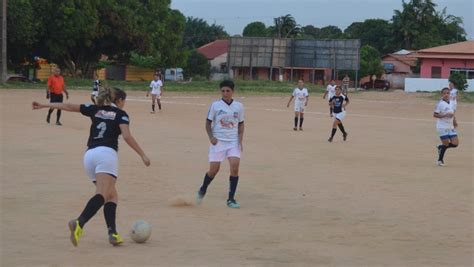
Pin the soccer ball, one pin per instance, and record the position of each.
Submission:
(141, 231)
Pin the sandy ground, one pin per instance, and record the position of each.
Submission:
(376, 200)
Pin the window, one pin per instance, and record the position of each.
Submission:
(468, 72)
(435, 72)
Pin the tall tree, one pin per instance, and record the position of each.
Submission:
(255, 29)
(197, 32)
(310, 32)
(370, 62)
(285, 27)
(374, 32)
(330, 32)
(418, 25)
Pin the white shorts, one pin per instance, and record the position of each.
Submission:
(95, 93)
(446, 133)
(223, 150)
(101, 159)
(340, 116)
(157, 93)
(299, 106)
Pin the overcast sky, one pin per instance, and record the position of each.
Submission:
(234, 15)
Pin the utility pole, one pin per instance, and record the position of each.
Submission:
(3, 40)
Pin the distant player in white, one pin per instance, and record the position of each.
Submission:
(339, 109)
(225, 128)
(95, 88)
(301, 96)
(330, 92)
(453, 96)
(156, 90)
(446, 125)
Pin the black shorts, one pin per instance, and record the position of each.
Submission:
(55, 98)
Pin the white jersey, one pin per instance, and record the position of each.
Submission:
(226, 119)
(300, 95)
(453, 98)
(331, 89)
(155, 87)
(443, 108)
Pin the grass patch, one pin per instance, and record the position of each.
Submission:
(259, 87)
(463, 97)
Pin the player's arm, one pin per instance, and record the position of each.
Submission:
(130, 140)
(291, 98)
(347, 102)
(65, 91)
(241, 134)
(212, 139)
(307, 99)
(439, 116)
(61, 106)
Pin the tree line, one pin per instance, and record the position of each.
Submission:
(76, 34)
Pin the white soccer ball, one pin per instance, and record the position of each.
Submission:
(141, 231)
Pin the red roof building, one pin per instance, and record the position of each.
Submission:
(216, 53)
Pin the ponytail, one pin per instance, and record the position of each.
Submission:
(109, 95)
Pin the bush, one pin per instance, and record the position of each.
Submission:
(459, 80)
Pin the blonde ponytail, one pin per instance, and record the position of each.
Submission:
(106, 96)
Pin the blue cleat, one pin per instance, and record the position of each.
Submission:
(232, 203)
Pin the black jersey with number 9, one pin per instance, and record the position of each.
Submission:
(105, 127)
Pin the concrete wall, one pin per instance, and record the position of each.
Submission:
(445, 64)
(217, 61)
(430, 85)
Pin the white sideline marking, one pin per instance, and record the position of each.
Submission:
(310, 112)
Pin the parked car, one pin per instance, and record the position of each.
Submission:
(17, 78)
(378, 84)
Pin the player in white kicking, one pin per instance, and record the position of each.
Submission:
(339, 110)
(156, 90)
(301, 96)
(330, 92)
(446, 125)
(225, 129)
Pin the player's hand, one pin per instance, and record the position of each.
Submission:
(288, 105)
(147, 94)
(455, 124)
(146, 160)
(449, 115)
(47, 95)
(241, 147)
(306, 104)
(67, 95)
(213, 141)
(36, 105)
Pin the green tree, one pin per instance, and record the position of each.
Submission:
(419, 26)
(255, 29)
(330, 32)
(370, 62)
(285, 27)
(374, 32)
(310, 32)
(197, 65)
(459, 80)
(197, 32)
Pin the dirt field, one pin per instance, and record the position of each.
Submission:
(376, 200)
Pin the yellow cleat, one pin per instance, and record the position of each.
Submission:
(76, 231)
(115, 239)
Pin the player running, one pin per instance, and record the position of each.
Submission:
(101, 159)
(301, 96)
(156, 90)
(225, 129)
(330, 91)
(339, 110)
(446, 125)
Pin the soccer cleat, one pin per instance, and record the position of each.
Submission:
(295, 129)
(59, 123)
(330, 139)
(344, 136)
(301, 128)
(115, 239)
(76, 231)
(440, 163)
(232, 203)
(152, 112)
(199, 197)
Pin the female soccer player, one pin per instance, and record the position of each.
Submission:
(156, 88)
(446, 125)
(95, 88)
(225, 129)
(330, 91)
(339, 109)
(301, 96)
(101, 160)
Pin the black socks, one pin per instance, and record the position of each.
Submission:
(341, 127)
(205, 184)
(153, 107)
(233, 181)
(333, 132)
(58, 115)
(94, 204)
(301, 122)
(110, 209)
(296, 122)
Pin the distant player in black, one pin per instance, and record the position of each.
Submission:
(339, 110)
(95, 88)
(101, 160)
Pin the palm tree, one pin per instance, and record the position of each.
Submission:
(286, 26)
